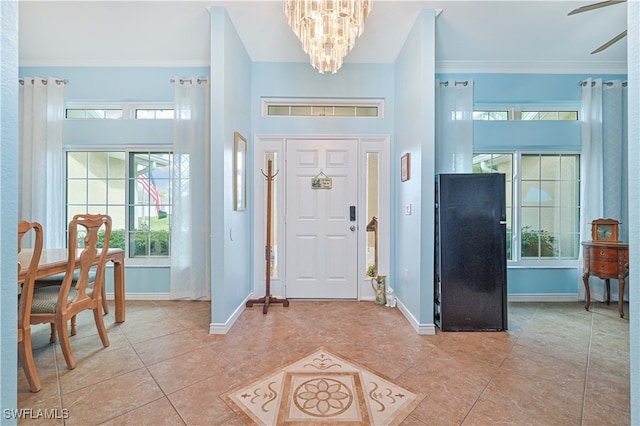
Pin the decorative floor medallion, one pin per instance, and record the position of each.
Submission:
(324, 389)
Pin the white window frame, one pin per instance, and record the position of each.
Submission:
(160, 261)
(517, 261)
(514, 110)
(128, 108)
(322, 102)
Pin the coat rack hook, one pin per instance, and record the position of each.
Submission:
(265, 175)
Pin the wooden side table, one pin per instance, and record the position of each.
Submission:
(606, 260)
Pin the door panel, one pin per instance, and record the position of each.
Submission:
(321, 246)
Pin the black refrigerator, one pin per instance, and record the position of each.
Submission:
(470, 253)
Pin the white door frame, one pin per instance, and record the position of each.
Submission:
(276, 144)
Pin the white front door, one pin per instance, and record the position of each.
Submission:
(321, 230)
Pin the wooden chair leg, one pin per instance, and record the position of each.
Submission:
(25, 353)
(102, 330)
(74, 330)
(65, 344)
(105, 303)
(52, 338)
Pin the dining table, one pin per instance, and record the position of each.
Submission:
(54, 261)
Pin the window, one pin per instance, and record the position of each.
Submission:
(119, 111)
(94, 113)
(490, 115)
(549, 115)
(154, 114)
(528, 113)
(283, 107)
(133, 187)
(543, 223)
(500, 163)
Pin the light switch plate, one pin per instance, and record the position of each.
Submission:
(407, 208)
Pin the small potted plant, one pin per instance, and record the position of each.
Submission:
(371, 271)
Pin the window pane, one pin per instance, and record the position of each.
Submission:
(142, 114)
(97, 166)
(568, 115)
(113, 114)
(373, 224)
(530, 167)
(500, 163)
(76, 113)
(165, 114)
(95, 113)
(97, 193)
(366, 111)
(150, 203)
(550, 206)
(278, 110)
(345, 111)
(77, 191)
(550, 167)
(301, 110)
(77, 164)
(273, 157)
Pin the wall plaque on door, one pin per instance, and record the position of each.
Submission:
(321, 181)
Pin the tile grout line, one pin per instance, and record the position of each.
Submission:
(496, 372)
(586, 372)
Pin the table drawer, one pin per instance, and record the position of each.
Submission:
(603, 253)
(597, 266)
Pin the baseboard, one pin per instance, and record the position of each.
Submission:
(223, 328)
(142, 296)
(421, 329)
(543, 297)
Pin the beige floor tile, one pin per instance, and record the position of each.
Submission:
(556, 365)
(156, 413)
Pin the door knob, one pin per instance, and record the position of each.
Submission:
(353, 227)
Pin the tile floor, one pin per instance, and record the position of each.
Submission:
(557, 364)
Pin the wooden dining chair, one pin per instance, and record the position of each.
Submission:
(58, 304)
(57, 280)
(25, 350)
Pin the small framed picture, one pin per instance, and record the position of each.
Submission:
(405, 167)
(240, 172)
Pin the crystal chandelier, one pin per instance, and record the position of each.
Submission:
(327, 28)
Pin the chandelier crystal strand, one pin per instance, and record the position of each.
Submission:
(327, 29)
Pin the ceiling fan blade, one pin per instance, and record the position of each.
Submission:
(595, 6)
(610, 42)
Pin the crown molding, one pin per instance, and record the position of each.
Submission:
(102, 63)
(532, 67)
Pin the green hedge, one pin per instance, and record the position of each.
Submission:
(145, 243)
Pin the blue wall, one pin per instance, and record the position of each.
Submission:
(231, 240)
(118, 84)
(558, 136)
(9, 211)
(412, 247)
(237, 87)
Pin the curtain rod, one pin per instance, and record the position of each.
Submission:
(190, 80)
(446, 83)
(44, 81)
(606, 83)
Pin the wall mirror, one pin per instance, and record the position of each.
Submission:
(240, 172)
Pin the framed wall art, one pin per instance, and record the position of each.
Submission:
(240, 172)
(405, 167)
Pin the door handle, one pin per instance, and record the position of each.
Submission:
(352, 227)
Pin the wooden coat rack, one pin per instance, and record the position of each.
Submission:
(268, 299)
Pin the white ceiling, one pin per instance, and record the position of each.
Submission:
(480, 36)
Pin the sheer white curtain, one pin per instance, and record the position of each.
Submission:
(454, 126)
(603, 171)
(40, 178)
(190, 219)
